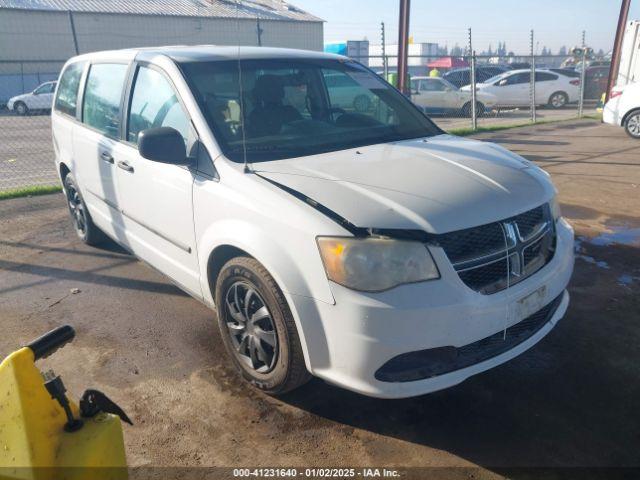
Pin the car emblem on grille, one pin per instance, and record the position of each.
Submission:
(516, 246)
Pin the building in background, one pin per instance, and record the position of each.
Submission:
(38, 36)
(420, 54)
(356, 49)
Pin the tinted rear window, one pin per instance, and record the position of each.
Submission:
(67, 97)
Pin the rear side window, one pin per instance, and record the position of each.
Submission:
(67, 97)
(545, 77)
(102, 97)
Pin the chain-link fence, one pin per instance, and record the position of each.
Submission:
(506, 91)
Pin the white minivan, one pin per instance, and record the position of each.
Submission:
(368, 248)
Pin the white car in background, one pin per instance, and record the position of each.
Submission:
(512, 88)
(40, 99)
(623, 109)
(435, 95)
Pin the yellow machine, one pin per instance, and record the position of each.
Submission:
(45, 436)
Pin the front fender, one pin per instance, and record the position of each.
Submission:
(295, 266)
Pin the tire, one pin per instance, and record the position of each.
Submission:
(21, 108)
(558, 100)
(632, 124)
(362, 103)
(80, 217)
(466, 109)
(280, 367)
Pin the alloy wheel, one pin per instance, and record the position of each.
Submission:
(633, 125)
(76, 208)
(558, 100)
(251, 327)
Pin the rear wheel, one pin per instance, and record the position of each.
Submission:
(257, 327)
(632, 124)
(466, 109)
(21, 108)
(558, 100)
(82, 222)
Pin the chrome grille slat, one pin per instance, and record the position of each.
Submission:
(484, 256)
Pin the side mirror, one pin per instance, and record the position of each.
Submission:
(164, 145)
(502, 82)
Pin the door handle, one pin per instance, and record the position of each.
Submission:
(106, 156)
(125, 166)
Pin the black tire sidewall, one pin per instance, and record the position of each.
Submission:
(241, 269)
(626, 124)
(92, 234)
(26, 109)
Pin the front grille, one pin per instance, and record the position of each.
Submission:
(429, 363)
(491, 257)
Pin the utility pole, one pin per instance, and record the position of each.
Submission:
(532, 82)
(583, 74)
(403, 47)
(617, 47)
(474, 113)
(385, 64)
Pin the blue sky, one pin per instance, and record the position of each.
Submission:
(555, 22)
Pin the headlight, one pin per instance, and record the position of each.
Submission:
(555, 208)
(375, 264)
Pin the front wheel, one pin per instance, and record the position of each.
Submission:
(21, 108)
(558, 100)
(632, 124)
(257, 327)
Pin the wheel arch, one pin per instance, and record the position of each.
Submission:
(296, 276)
(63, 171)
(628, 114)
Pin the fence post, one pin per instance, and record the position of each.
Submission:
(582, 76)
(474, 113)
(472, 77)
(532, 82)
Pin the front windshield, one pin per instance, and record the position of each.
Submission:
(296, 107)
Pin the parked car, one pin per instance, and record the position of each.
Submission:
(348, 94)
(512, 88)
(462, 76)
(38, 100)
(595, 82)
(567, 72)
(372, 250)
(623, 109)
(437, 96)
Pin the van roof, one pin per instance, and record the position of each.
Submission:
(191, 53)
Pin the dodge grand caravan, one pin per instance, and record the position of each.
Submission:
(363, 246)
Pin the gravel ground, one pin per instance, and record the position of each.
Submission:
(571, 401)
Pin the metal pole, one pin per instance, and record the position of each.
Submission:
(532, 82)
(385, 65)
(582, 75)
(403, 47)
(73, 33)
(617, 47)
(472, 76)
(259, 31)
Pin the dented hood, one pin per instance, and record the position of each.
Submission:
(438, 184)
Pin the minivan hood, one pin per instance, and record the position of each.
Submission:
(437, 184)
